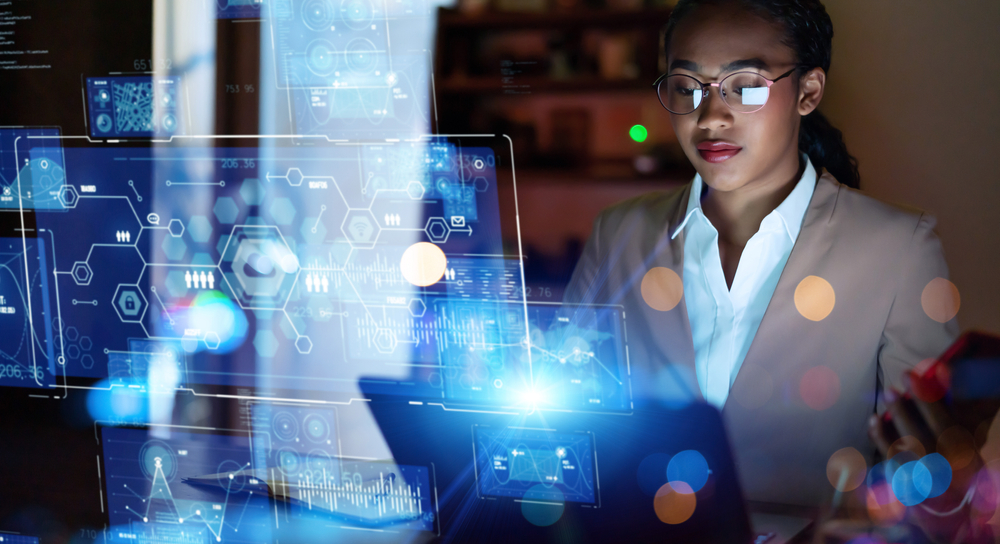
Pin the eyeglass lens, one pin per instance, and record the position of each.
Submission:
(744, 92)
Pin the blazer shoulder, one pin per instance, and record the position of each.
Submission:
(655, 207)
(872, 215)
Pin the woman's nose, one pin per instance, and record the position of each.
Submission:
(713, 113)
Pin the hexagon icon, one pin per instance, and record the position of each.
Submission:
(82, 274)
(385, 341)
(130, 303)
(226, 210)
(252, 191)
(303, 345)
(294, 177)
(174, 248)
(437, 230)
(313, 230)
(417, 307)
(415, 190)
(282, 211)
(68, 196)
(259, 267)
(212, 340)
(481, 184)
(200, 228)
(265, 343)
(175, 228)
(361, 228)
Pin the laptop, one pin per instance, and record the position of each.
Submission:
(660, 473)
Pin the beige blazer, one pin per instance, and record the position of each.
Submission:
(878, 258)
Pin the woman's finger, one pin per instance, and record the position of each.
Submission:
(936, 415)
(927, 394)
(876, 431)
(911, 425)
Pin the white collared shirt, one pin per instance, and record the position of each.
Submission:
(724, 321)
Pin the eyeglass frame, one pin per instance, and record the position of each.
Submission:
(705, 86)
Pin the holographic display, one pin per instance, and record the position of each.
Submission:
(296, 450)
(150, 500)
(568, 357)
(32, 173)
(353, 67)
(238, 9)
(33, 344)
(381, 260)
(514, 461)
(134, 106)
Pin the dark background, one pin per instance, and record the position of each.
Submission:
(913, 86)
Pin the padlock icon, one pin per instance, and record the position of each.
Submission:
(130, 303)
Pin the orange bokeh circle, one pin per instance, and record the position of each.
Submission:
(661, 288)
(846, 469)
(940, 300)
(674, 502)
(814, 298)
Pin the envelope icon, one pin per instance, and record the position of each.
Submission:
(458, 221)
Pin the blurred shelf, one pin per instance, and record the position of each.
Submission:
(602, 173)
(450, 19)
(538, 84)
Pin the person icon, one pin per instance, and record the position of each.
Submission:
(187, 278)
(211, 280)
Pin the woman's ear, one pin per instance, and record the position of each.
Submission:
(811, 86)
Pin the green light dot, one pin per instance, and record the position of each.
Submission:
(638, 133)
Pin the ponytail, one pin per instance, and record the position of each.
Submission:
(824, 144)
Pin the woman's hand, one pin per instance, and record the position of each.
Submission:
(919, 422)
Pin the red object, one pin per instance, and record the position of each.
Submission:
(931, 384)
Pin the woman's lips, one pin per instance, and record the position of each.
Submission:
(720, 155)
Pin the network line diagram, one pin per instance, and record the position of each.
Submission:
(381, 261)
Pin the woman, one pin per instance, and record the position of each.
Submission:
(784, 296)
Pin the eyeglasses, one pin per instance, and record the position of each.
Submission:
(745, 92)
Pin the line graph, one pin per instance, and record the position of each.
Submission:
(150, 497)
(214, 519)
(370, 493)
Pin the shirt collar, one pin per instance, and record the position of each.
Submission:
(791, 211)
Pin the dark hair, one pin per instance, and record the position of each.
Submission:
(808, 32)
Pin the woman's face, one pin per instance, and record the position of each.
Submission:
(705, 45)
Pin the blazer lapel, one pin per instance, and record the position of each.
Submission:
(669, 252)
(814, 240)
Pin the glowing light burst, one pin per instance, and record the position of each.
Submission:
(222, 324)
